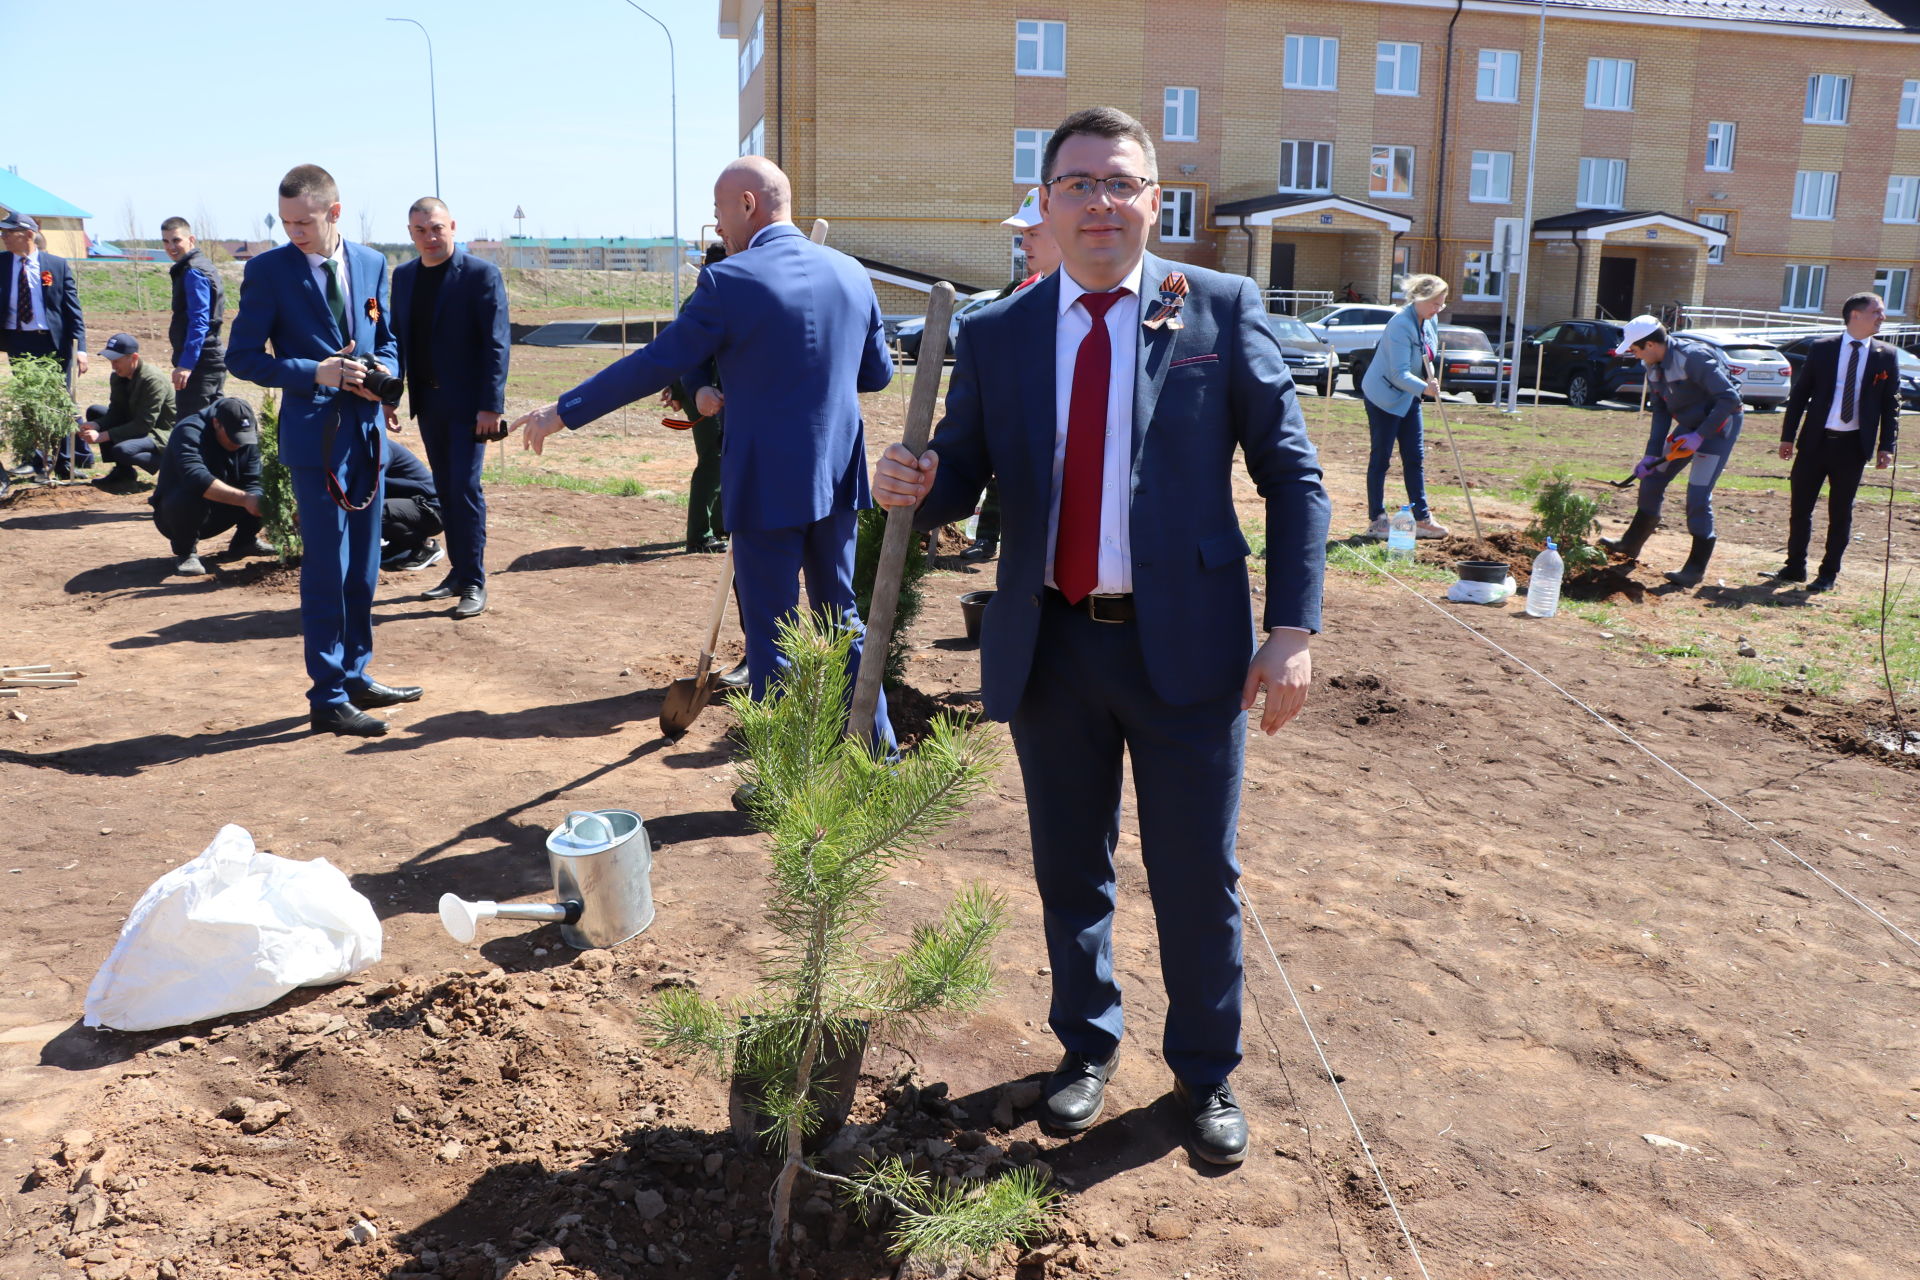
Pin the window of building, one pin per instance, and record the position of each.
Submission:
(1396, 69)
(1177, 208)
(1903, 199)
(1039, 48)
(1180, 115)
(1718, 221)
(1492, 180)
(1029, 145)
(1610, 84)
(1311, 62)
(1306, 166)
(1891, 284)
(1402, 268)
(1720, 146)
(1804, 287)
(1827, 98)
(1813, 193)
(1603, 184)
(1910, 105)
(1390, 175)
(1483, 277)
(1499, 76)
(1019, 269)
(750, 49)
(755, 143)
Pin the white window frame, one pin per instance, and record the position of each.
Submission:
(1320, 161)
(1323, 52)
(1829, 97)
(1029, 150)
(1399, 62)
(1179, 114)
(1491, 178)
(1903, 199)
(1815, 194)
(755, 143)
(1717, 253)
(1895, 298)
(1910, 105)
(1609, 84)
(1804, 286)
(1017, 268)
(1721, 138)
(1500, 64)
(1402, 268)
(1611, 179)
(1030, 38)
(1178, 204)
(1388, 154)
(751, 48)
(1483, 276)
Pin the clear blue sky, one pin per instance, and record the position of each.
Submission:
(198, 107)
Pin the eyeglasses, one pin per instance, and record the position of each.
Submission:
(1078, 188)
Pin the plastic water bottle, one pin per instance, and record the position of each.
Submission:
(1400, 535)
(1543, 591)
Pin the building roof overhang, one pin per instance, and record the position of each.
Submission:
(1266, 211)
(1598, 224)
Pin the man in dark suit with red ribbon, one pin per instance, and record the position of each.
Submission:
(1844, 409)
(40, 316)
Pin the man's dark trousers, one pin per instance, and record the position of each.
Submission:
(207, 383)
(455, 458)
(184, 519)
(143, 452)
(339, 568)
(1831, 458)
(703, 490)
(1088, 701)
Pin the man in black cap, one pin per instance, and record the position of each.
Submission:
(410, 515)
(199, 312)
(210, 482)
(131, 428)
(40, 315)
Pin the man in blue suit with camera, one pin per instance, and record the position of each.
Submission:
(794, 330)
(320, 303)
(1108, 401)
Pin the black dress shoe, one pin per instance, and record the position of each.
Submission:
(734, 678)
(1825, 582)
(1790, 573)
(473, 600)
(1219, 1125)
(447, 589)
(977, 552)
(346, 720)
(374, 694)
(1075, 1093)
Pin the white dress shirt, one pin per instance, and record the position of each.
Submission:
(12, 316)
(1115, 576)
(318, 265)
(1847, 343)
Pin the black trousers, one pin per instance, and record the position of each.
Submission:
(204, 385)
(406, 524)
(1831, 458)
(143, 452)
(455, 459)
(185, 518)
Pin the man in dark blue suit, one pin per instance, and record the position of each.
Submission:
(40, 316)
(453, 352)
(320, 302)
(794, 331)
(1122, 623)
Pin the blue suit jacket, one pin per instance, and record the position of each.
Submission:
(1400, 361)
(281, 305)
(794, 330)
(60, 300)
(1200, 393)
(471, 338)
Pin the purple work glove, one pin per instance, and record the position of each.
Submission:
(1690, 442)
(1645, 466)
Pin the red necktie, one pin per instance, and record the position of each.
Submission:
(1076, 546)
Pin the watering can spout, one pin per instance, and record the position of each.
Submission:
(462, 918)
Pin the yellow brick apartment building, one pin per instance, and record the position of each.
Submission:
(1760, 154)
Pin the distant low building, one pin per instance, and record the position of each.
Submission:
(617, 254)
(63, 224)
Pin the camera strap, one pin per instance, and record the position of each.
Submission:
(374, 453)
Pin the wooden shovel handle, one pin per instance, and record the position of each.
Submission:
(718, 616)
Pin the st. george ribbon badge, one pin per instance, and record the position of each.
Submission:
(1166, 311)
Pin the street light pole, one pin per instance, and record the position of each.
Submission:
(673, 119)
(433, 100)
(1526, 218)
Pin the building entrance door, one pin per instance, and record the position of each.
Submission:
(1616, 287)
(1280, 270)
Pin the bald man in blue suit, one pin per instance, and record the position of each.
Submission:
(794, 331)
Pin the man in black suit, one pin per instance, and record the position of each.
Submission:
(1848, 393)
(40, 315)
(450, 315)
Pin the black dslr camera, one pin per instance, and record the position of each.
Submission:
(386, 386)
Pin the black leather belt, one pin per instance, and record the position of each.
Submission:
(1117, 608)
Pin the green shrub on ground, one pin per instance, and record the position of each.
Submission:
(278, 513)
(35, 410)
(1565, 514)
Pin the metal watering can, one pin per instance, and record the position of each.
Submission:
(602, 865)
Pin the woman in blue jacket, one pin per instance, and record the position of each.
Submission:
(1396, 379)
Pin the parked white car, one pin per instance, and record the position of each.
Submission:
(1348, 327)
(1760, 370)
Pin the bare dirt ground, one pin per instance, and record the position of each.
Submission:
(1524, 946)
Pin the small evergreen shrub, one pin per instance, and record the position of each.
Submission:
(1565, 514)
(278, 513)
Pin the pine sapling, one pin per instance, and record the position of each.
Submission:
(279, 516)
(36, 412)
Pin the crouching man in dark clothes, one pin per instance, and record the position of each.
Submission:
(209, 482)
(411, 515)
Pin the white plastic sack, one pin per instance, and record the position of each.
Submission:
(234, 929)
(1464, 592)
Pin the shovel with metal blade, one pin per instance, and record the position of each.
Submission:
(687, 697)
(1676, 452)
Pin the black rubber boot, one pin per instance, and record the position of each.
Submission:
(1690, 574)
(1629, 543)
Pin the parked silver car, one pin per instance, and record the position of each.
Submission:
(1760, 371)
(1348, 327)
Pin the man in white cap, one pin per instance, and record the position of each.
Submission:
(1696, 421)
